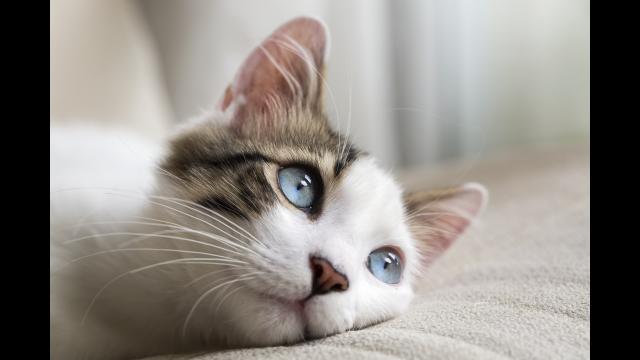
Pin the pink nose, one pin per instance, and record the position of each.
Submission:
(326, 278)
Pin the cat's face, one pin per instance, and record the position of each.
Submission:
(329, 242)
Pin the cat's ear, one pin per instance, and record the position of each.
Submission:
(284, 70)
(438, 217)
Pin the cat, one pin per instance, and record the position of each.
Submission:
(259, 225)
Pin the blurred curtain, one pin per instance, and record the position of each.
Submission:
(473, 76)
(423, 80)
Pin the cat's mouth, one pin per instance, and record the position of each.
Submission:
(296, 306)
(303, 318)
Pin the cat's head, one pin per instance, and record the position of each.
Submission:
(329, 241)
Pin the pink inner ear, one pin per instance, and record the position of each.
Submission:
(438, 222)
(284, 68)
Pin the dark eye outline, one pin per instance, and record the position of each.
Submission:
(392, 249)
(317, 183)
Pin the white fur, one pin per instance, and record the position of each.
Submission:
(85, 163)
(364, 213)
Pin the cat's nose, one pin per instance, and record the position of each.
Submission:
(326, 278)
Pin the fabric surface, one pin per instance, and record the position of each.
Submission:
(515, 286)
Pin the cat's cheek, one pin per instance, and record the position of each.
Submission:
(270, 323)
(288, 329)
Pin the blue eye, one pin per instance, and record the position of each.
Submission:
(300, 186)
(385, 264)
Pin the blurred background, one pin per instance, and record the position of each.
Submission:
(427, 81)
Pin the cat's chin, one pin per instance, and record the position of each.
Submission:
(307, 319)
(279, 321)
(259, 320)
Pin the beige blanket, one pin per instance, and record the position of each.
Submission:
(514, 287)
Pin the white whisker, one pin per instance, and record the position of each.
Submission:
(227, 296)
(214, 273)
(246, 234)
(158, 236)
(199, 300)
(86, 313)
(213, 256)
